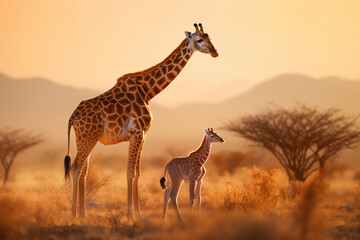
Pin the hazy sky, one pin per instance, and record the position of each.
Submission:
(91, 43)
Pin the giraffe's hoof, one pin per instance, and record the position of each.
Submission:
(130, 219)
(181, 223)
(138, 215)
(130, 222)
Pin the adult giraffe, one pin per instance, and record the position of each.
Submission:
(123, 114)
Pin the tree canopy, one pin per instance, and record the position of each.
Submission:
(302, 138)
(12, 142)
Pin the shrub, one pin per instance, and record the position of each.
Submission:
(95, 181)
(261, 192)
(228, 162)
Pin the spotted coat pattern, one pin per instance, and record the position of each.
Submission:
(191, 168)
(123, 114)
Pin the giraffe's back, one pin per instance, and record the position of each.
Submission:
(186, 167)
(112, 116)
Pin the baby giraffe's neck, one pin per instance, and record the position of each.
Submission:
(202, 153)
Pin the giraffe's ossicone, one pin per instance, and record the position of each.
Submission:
(190, 168)
(123, 114)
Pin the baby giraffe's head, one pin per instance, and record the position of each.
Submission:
(212, 136)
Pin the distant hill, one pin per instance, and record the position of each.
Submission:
(41, 105)
(38, 103)
(285, 90)
(291, 88)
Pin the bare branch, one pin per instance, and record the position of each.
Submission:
(300, 137)
(12, 142)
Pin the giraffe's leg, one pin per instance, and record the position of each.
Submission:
(82, 187)
(198, 195)
(192, 185)
(135, 145)
(198, 190)
(75, 176)
(176, 183)
(166, 200)
(136, 182)
(84, 147)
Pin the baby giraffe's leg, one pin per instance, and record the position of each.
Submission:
(192, 185)
(198, 195)
(166, 200)
(176, 183)
(198, 190)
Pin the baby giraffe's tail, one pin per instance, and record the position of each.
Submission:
(163, 179)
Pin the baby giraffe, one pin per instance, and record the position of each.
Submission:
(190, 168)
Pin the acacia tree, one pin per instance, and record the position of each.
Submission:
(302, 138)
(12, 142)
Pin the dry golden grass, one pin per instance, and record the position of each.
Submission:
(263, 206)
(95, 181)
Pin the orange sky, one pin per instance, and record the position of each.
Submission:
(91, 43)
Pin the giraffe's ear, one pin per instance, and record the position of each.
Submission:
(188, 35)
(206, 131)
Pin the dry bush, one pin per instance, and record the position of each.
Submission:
(228, 162)
(357, 196)
(15, 218)
(237, 225)
(262, 193)
(298, 202)
(335, 170)
(24, 212)
(309, 199)
(357, 175)
(115, 211)
(216, 225)
(95, 181)
(158, 161)
(287, 211)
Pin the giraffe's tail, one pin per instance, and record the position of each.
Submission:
(162, 182)
(67, 160)
(163, 179)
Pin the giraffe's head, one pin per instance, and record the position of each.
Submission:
(213, 136)
(200, 41)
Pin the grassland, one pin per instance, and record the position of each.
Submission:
(249, 204)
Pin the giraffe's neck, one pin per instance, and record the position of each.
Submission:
(155, 79)
(203, 152)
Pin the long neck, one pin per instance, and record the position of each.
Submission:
(203, 152)
(155, 79)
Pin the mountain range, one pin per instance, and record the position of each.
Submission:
(43, 106)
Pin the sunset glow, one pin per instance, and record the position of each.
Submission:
(89, 44)
(163, 119)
